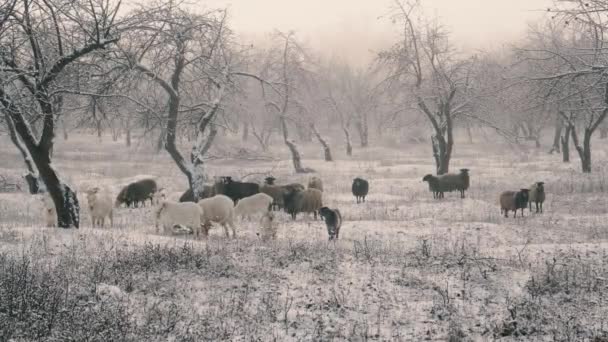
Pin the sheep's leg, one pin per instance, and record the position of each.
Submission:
(233, 229)
(111, 216)
(102, 222)
(541, 207)
(537, 207)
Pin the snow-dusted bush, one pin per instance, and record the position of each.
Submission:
(219, 209)
(253, 205)
(100, 206)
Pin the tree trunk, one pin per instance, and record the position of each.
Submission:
(245, 131)
(128, 137)
(469, 133)
(326, 149)
(441, 154)
(559, 125)
(584, 152)
(64, 129)
(565, 141)
(161, 142)
(64, 198)
(363, 130)
(349, 146)
(293, 148)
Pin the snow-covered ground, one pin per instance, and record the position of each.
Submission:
(406, 267)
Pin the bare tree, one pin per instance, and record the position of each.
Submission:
(173, 47)
(286, 59)
(40, 41)
(424, 63)
(574, 67)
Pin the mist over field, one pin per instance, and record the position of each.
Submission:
(232, 170)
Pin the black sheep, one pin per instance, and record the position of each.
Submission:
(513, 200)
(235, 190)
(333, 221)
(137, 192)
(360, 189)
(187, 195)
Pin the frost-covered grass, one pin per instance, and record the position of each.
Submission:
(407, 267)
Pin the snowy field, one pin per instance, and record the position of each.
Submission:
(406, 268)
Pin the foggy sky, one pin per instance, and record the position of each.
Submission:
(349, 29)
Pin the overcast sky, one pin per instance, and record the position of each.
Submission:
(351, 28)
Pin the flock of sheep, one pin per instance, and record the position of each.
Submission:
(219, 203)
(226, 199)
(509, 200)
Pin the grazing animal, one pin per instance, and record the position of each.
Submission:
(235, 190)
(303, 201)
(274, 191)
(315, 183)
(537, 195)
(268, 230)
(208, 191)
(100, 206)
(513, 200)
(438, 185)
(137, 192)
(333, 221)
(172, 214)
(360, 189)
(50, 215)
(252, 205)
(219, 209)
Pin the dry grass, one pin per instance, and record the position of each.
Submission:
(407, 267)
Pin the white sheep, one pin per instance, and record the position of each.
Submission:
(159, 196)
(50, 215)
(171, 214)
(100, 206)
(219, 209)
(268, 230)
(253, 205)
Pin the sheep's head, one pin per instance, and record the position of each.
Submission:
(540, 186)
(269, 180)
(464, 170)
(92, 194)
(428, 178)
(324, 211)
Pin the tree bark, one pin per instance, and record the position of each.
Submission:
(326, 149)
(293, 148)
(559, 125)
(565, 141)
(349, 146)
(584, 152)
(245, 131)
(363, 130)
